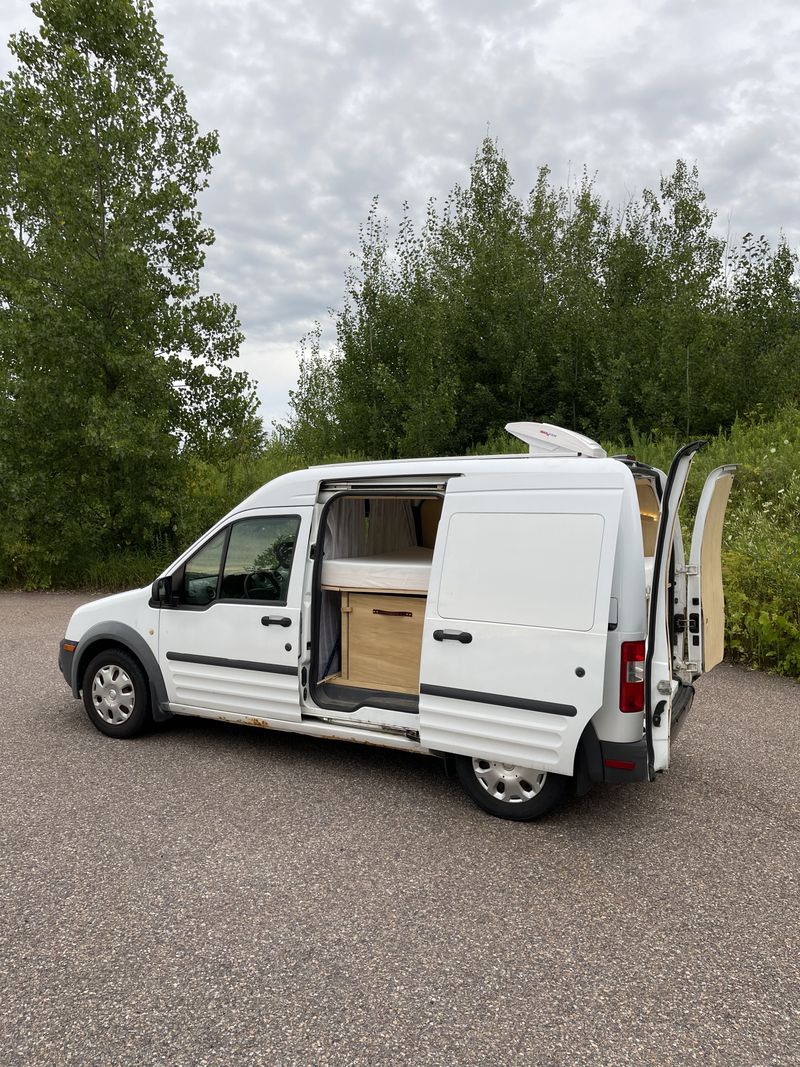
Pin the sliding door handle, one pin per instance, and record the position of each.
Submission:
(452, 635)
(275, 620)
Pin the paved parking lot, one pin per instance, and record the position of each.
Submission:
(213, 894)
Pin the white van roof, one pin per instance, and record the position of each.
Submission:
(302, 487)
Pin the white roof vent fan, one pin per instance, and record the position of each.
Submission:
(543, 439)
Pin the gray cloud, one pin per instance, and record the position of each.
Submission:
(321, 105)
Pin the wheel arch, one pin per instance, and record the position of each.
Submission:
(118, 635)
(587, 768)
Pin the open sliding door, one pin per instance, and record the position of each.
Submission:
(514, 641)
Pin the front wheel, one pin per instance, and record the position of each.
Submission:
(509, 791)
(116, 694)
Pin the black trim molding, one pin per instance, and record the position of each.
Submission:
(236, 664)
(502, 701)
(351, 699)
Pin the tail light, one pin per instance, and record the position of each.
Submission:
(631, 676)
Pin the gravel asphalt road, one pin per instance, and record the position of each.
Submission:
(212, 894)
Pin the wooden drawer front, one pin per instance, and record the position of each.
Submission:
(383, 641)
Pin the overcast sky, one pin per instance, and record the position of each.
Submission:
(321, 105)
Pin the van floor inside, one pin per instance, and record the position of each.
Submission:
(351, 698)
(356, 685)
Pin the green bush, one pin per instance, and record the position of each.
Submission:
(209, 492)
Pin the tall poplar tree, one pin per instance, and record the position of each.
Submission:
(113, 365)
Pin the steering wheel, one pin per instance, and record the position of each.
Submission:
(284, 553)
(259, 582)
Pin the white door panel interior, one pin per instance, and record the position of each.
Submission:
(706, 605)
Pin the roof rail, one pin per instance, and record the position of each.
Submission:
(543, 439)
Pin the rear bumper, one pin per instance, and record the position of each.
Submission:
(681, 705)
(627, 761)
(624, 761)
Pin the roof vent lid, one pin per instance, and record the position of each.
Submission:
(543, 439)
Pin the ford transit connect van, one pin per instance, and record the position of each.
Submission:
(531, 619)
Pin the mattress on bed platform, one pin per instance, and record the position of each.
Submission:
(408, 569)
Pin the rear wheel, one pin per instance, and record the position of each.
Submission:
(116, 694)
(509, 791)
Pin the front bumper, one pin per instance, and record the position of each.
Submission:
(66, 654)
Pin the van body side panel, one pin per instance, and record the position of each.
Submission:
(514, 642)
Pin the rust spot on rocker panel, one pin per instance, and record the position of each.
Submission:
(250, 720)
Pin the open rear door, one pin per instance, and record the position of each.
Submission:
(660, 684)
(705, 602)
(516, 626)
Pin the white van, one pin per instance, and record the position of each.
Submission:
(532, 619)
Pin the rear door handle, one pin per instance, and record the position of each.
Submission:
(452, 635)
(275, 620)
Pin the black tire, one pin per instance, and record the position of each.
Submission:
(551, 792)
(124, 677)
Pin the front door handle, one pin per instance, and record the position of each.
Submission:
(275, 620)
(452, 635)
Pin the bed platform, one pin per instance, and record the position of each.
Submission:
(407, 571)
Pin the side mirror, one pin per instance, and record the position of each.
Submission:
(162, 591)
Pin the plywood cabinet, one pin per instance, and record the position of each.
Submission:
(381, 641)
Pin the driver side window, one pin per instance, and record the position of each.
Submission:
(201, 572)
(259, 559)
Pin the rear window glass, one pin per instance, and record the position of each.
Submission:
(529, 570)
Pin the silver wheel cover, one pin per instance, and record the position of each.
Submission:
(507, 782)
(113, 694)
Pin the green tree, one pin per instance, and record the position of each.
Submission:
(551, 308)
(314, 434)
(758, 360)
(113, 366)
